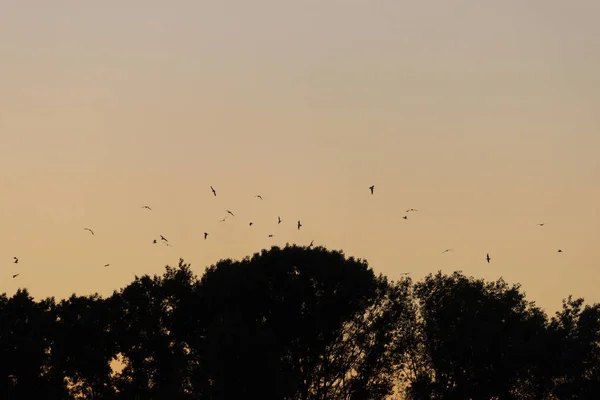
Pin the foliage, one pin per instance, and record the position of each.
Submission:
(298, 323)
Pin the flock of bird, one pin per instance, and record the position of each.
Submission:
(299, 225)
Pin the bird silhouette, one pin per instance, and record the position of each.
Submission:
(278, 220)
(213, 190)
(15, 275)
(299, 225)
(16, 260)
(447, 250)
(559, 251)
(106, 265)
(487, 257)
(163, 238)
(88, 229)
(259, 196)
(229, 212)
(411, 209)
(154, 241)
(146, 207)
(405, 217)
(542, 224)
(251, 223)
(404, 273)
(271, 235)
(205, 235)
(311, 243)
(372, 188)
(223, 220)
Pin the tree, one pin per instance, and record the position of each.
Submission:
(309, 322)
(156, 363)
(576, 330)
(25, 338)
(481, 340)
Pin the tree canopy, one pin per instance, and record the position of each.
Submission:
(298, 323)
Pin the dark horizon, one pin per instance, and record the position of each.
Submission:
(287, 323)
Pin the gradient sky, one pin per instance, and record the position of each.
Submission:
(482, 115)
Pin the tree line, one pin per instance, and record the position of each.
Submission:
(298, 323)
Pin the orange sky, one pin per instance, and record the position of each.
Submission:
(482, 116)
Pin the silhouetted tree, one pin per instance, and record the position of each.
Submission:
(155, 362)
(576, 330)
(481, 340)
(304, 320)
(25, 338)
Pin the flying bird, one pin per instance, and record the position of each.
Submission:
(542, 224)
(213, 190)
(405, 273)
(146, 207)
(405, 217)
(559, 251)
(311, 243)
(411, 209)
(271, 235)
(278, 220)
(16, 260)
(163, 238)
(447, 250)
(299, 225)
(14, 276)
(259, 196)
(88, 229)
(106, 265)
(487, 257)
(372, 188)
(154, 241)
(205, 235)
(223, 220)
(229, 212)
(251, 223)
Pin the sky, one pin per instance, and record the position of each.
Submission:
(481, 115)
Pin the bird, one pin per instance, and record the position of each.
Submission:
(372, 188)
(487, 257)
(411, 209)
(163, 238)
(15, 275)
(88, 229)
(299, 225)
(542, 224)
(271, 235)
(154, 241)
(278, 220)
(259, 196)
(205, 235)
(229, 212)
(447, 250)
(405, 217)
(106, 265)
(311, 243)
(559, 251)
(213, 190)
(16, 260)
(147, 207)
(404, 273)
(223, 220)
(251, 223)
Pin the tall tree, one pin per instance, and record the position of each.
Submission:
(305, 320)
(577, 331)
(481, 339)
